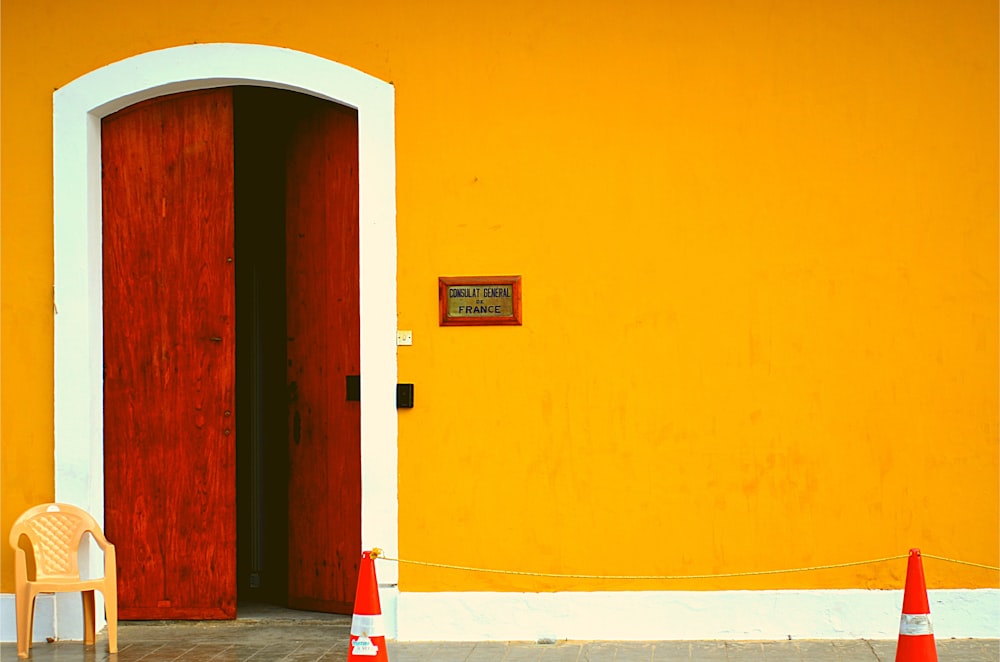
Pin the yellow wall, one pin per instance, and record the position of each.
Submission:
(759, 243)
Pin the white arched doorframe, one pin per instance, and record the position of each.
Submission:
(78, 108)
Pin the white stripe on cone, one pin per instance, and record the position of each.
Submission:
(367, 626)
(916, 624)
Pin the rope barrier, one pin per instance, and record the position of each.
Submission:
(378, 553)
(974, 565)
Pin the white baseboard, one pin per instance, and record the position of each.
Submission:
(388, 598)
(57, 616)
(672, 615)
(45, 618)
(629, 616)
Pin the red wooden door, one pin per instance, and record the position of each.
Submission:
(169, 343)
(324, 519)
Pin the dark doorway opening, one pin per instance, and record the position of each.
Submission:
(298, 458)
(261, 120)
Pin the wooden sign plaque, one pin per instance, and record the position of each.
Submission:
(479, 300)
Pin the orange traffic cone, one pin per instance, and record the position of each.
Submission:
(367, 630)
(916, 636)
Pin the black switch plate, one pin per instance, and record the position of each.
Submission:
(404, 396)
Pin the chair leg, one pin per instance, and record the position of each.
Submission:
(111, 612)
(23, 611)
(31, 619)
(32, 603)
(89, 629)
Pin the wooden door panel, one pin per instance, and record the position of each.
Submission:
(323, 348)
(169, 351)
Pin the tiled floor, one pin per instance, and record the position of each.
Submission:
(311, 638)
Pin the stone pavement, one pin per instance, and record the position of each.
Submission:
(327, 639)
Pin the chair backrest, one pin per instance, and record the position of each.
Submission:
(54, 531)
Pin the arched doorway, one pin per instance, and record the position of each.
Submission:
(78, 110)
(231, 336)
